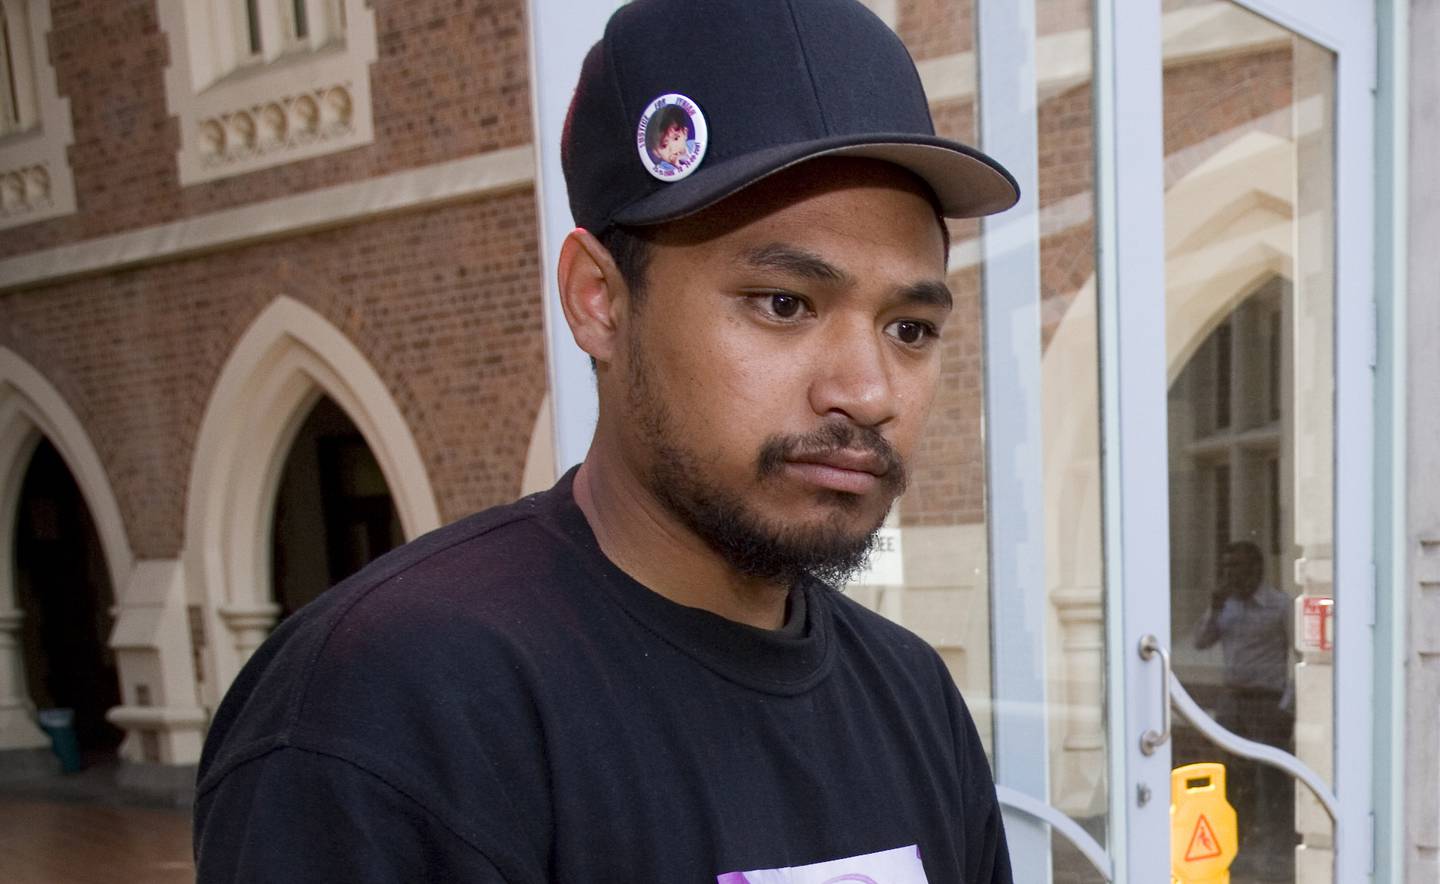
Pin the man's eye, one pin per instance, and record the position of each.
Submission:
(785, 306)
(912, 331)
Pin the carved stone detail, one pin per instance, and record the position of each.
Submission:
(276, 127)
(25, 190)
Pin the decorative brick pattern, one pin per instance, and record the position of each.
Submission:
(445, 303)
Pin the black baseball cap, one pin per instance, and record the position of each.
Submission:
(685, 102)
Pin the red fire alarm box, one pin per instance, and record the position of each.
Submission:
(1316, 630)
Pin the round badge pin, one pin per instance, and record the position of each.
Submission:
(672, 137)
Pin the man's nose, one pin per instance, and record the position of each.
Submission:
(853, 377)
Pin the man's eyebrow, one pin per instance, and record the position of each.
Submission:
(932, 292)
(807, 265)
(796, 262)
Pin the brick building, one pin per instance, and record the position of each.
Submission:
(273, 297)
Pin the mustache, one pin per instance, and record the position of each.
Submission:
(829, 439)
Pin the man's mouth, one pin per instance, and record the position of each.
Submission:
(852, 460)
(846, 470)
(837, 457)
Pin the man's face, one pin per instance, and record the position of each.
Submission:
(1239, 572)
(672, 147)
(782, 363)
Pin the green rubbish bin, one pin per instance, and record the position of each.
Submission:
(60, 725)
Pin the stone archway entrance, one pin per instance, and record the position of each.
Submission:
(333, 509)
(63, 590)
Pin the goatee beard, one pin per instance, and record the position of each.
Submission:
(754, 546)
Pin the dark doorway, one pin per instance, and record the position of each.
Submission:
(333, 510)
(65, 594)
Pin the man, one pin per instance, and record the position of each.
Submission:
(1251, 620)
(640, 675)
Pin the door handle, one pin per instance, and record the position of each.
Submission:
(1152, 740)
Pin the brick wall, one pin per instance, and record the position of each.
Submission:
(444, 303)
(1202, 99)
(932, 28)
(947, 481)
(451, 80)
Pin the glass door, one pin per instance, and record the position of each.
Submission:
(1236, 322)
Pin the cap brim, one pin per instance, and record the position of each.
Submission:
(966, 182)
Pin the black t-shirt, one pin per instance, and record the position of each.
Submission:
(496, 701)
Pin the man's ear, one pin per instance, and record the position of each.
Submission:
(592, 293)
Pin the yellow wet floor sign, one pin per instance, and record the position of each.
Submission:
(1202, 825)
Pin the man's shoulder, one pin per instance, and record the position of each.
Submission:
(1271, 597)
(889, 642)
(424, 620)
(482, 569)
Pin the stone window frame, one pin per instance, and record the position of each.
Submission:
(298, 97)
(17, 90)
(35, 178)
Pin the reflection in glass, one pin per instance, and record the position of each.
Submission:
(1249, 307)
(932, 573)
(1069, 392)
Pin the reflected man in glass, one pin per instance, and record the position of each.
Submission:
(1251, 620)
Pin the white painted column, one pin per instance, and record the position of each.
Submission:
(18, 729)
(249, 625)
(159, 710)
(1079, 781)
(561, 32)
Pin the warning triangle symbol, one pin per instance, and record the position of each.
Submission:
(1203, 843)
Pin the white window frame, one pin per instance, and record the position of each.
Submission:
(297, 98)
(35, 178)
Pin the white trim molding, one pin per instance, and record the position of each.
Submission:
(294, 99)
(415, 189)
(288, 359)
(35, 178)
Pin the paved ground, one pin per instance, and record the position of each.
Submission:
(63, 842)
(92, 826)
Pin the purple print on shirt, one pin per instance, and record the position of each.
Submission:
(899, 866)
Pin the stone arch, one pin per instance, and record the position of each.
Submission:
(288, 358)
(1232, 210)
(31, 408)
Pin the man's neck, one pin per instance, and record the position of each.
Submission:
(645, 540)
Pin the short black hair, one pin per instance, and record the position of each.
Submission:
(631, 252)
